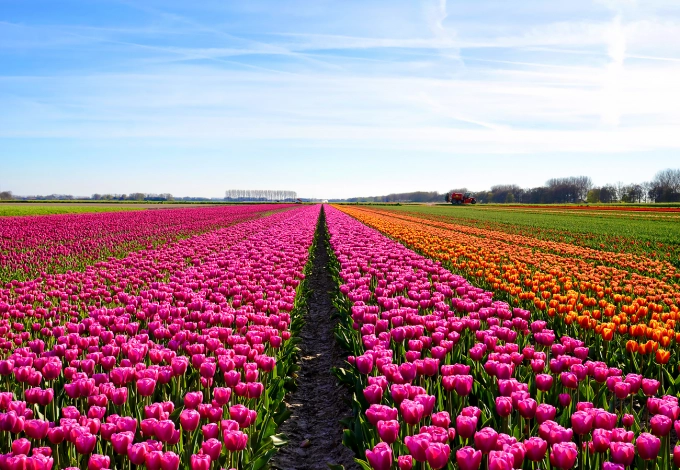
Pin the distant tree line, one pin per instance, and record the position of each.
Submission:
(556, 191)
(259, 195)
(665, 187)
(416, 196)
(133, 197)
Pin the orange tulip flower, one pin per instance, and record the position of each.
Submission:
(662, 356)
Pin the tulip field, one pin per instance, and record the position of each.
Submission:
(506, 338)
(489, 348)
(177, 356)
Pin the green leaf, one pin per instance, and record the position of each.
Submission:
(282, 416)
(333, 466)
(279, 440)
(363, 464)
(263, 461)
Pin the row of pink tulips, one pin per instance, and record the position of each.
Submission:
(33, 245)
(173, 357)
(446, 377)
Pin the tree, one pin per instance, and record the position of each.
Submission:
(259, 195)
(632, 193)
(571, 189)
(608, 193)
(665, 187)
(593, 196)
(506, 193)
(5, 195)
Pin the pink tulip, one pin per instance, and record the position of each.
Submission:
(405, 462)
(193, 399)
(503, 406)
(222, 395)
(21, 446)
(388, 430)
(563, 455)
(468, 458)
(622, 453)
(518, 451)
(466, 426)
(437, 455)
(200, 462)
(411, 411)
(564, 399)
(648, 446)
(612, 466)
(137, 453)
(527, 408)
(582, 422)
(536, 448)
(485, 439)
(36, 428)
(98, 462)
(545, 412)
(499, 460)
(85, 443)
(235, 441)
(601, 440)
(417, 445)
(660, 425)
(364, 364)
(170, 461)
(189, 420)
(146, 387)
(380, 458)
(212, 447)
(441, 419)
(122, 441)
(650, 387)
(628, 420)
(373, 394)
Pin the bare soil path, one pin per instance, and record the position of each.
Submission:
(314, 431)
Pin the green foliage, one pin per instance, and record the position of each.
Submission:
(15, 209)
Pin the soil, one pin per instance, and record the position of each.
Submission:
(314, 430)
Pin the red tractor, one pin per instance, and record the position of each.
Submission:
(460, 198)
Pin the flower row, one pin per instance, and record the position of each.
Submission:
(174, 357)
(33, 245)
(445, 375)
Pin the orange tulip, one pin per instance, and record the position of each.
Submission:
(632, 346)
(643, 349)
(662, 356)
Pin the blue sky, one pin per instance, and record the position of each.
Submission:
(334, 98)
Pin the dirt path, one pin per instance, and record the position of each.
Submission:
(314, 431)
